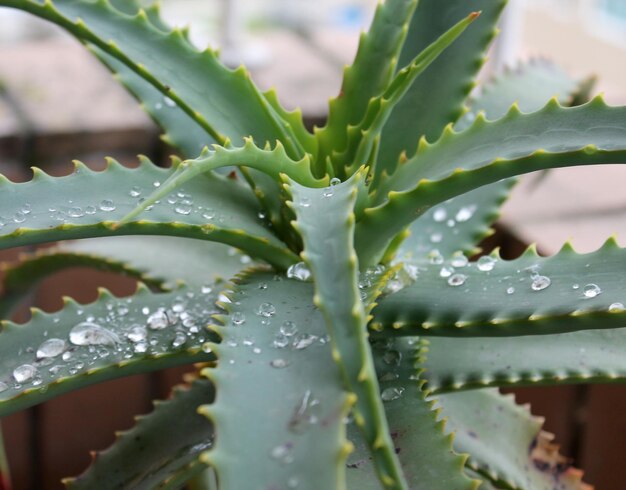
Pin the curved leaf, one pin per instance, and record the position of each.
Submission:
(489, 151)
(506, 443)
(424, 450)
(437, 97)
(280, 404)
(530, 295)
(210, 208)
(85, 344)
(325, 220)
(160, 444)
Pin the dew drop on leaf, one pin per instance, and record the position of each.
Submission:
(591, 291)
(335, 181)
(446, 271)
(24, 373)
(459, 260)
(540, 282)
(51, 348)
(288, 328)
(299, 271)
(510, 290)
(238, 318)
(107, 205)
(465, 213)
(137, 333)
(89, 333)
(266, 310)
(486, 263)
(279, 363)
(391, 394)
(457, 279)
(440, 214)
(616, 307)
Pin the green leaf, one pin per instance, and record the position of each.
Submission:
(587, 356)
(506, 443)
(369, 75)
(530, 295)
(437, 97)
(272, 162)
(82, 345)
(212, 208)
(461, 222)
(159, 446)
(280, 404)
(325, 220)
(235, 108)
(166, 260)
(424, 450)
(487, 152)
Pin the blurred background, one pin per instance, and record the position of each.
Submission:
(58, 103)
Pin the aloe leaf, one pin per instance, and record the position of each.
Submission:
(437, 98)
(55, 353)
(487, 152)
(273, 162)
(328, 250)
(530, 295)
(280, 404)
(423, 447)
(235, 108)
(166, 260)
(369, 75)
(587, 356)
(160, 445)
(212, 208)
(461, 222)
(362, 138)
(506, 443)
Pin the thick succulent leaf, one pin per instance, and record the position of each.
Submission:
(506, 443)
(463, 221)
(160, 445)
(368, 76)
(437, 98)
(425, 451)
(22, 276)
(272, 162)
(587, 356)
(234, 109)
(325, 220)
(211, 208)
(280, 403)
(363, 138)
(530, 295)
(487, 152)
(166, 260)
(85, 344)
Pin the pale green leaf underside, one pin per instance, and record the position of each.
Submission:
(166, 259)
(162, 444)
(424, 450)
(530, 295)
(437, 98)
(84, 361)
(587, 356)
(461, 222)
(280, 403)
(325, 220)
(505, 442)
(212, 208)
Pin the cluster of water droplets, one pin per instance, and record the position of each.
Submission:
(120, 331)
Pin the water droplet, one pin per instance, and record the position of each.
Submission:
(88, 333)
(280, 341)
(288, 328)
(486, 263)
(305, 202)
(392, 357)
(457, 279)
(510, 290)
(169, 102)
(591, 291)
(293, 482)
(238, 318)
(75, 212)
(302, 341)
(459, 260)
(465, 213)
(208, 214)
(183, 209)
(335, 181)
(156, 183)
(299, 271)
(206, 289)
(107, 205)
(436, 237)
(283, 453)
(615, 307)
(435, 257)
(575, 286)
(328, 192)
(279, 363)
(159, 320)
(540, 282)
(141, 347)
(439, 215)
(24, 373)
(446, 271)
(266, 309)
(19, 217)
(391, 394)
(51, 348)
(26, 208)
(179, 339)
(134, 191)
(137, 333)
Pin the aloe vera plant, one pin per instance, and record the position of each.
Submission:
(326, 289)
